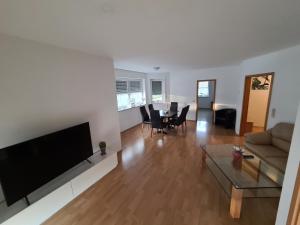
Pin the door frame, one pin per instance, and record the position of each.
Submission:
(245, 105)
(198, 81)
(294, 211)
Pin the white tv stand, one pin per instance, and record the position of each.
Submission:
(50, 198)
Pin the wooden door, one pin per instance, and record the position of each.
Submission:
(245, 105)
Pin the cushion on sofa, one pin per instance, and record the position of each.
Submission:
(277, 162)
(282, 134)
(281, 144)
(283, 131)
(261, 138)
(264, 151)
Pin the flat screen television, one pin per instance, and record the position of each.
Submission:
(26, 166)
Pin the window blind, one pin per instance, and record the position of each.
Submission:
(156, 87)
(130, 93)
(135, 86)
(121, 86)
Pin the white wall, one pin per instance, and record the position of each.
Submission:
(183, 86)
(291, 174)
(130, 117)
(286, 91)
(45, 88)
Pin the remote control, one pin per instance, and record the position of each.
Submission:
(248, 156)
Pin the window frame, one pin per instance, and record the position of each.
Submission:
(208, 90)
(163, 91)
(128, 92)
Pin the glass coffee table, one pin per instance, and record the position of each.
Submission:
(241, 177)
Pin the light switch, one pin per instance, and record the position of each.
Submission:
(273, 112)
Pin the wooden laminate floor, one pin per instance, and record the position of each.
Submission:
(161, 181)
(205, 115)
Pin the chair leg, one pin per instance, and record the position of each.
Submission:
(151, 132)
(185, 123)
(143, 126)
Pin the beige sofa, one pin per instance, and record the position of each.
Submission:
(273, 145)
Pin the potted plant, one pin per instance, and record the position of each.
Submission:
(102, 146)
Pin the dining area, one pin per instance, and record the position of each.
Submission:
(163, 121)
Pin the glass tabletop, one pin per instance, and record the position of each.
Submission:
(242, 173)
(167, 113)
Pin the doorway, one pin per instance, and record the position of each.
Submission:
(256, 102)
(206, 94)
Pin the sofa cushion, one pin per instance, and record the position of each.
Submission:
(277, 162)
(283, 131)
(261, 138)
(264, 151)
(283, 145)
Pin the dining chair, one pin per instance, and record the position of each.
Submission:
(174, 108)
(151, 108)
(145, 116)
(157, 122)
(186, 112)
(180, 121)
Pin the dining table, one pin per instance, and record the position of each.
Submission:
(167, 114)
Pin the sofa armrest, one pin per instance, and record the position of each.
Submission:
(261, 138)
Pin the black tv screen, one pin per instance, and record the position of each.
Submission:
(26, 166)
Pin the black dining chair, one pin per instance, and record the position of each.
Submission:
(180, 121)
(186, 112)
(174, 106)
(157, 122)
(151, 108)
(145, 116)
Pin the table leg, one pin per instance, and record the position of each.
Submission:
(236, 203)
(203, 155)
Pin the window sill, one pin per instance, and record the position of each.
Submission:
(158, 102)
(134, 107)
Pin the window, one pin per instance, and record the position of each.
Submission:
(157, 90)
(203, 89)
(130, 93)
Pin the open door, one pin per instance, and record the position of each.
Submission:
(256, 102)
(205, 100)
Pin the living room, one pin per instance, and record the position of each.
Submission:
(60, 67)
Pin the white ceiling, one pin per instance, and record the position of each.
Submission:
(172, 34)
